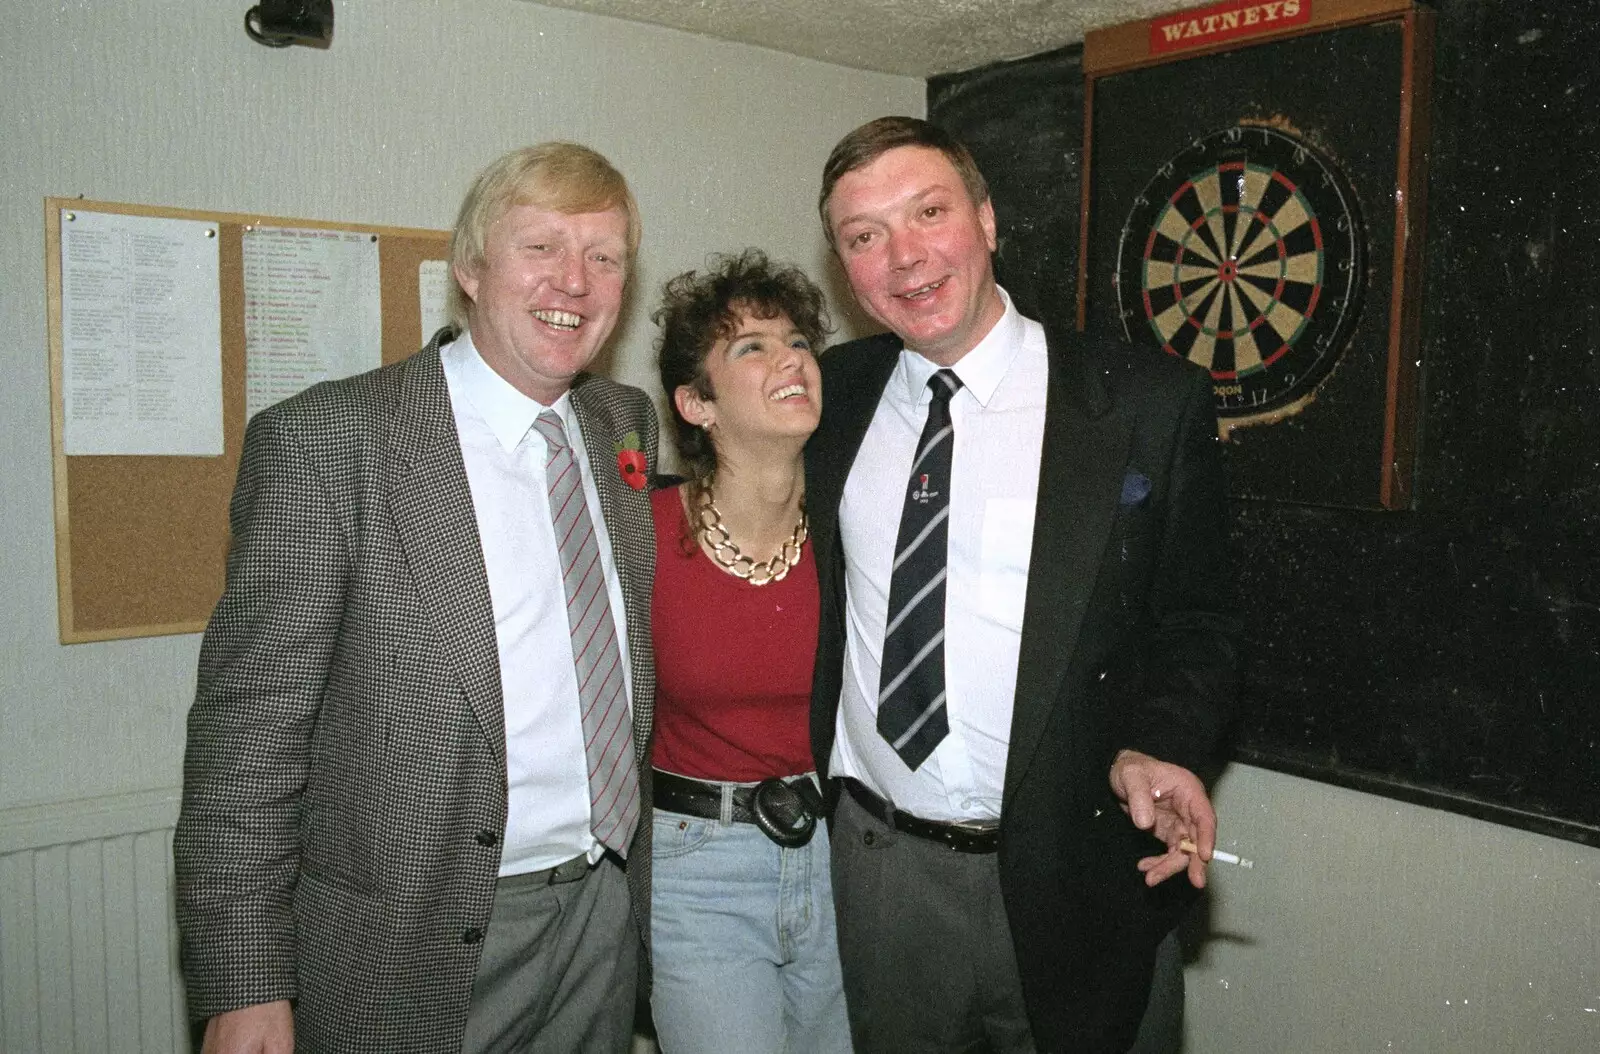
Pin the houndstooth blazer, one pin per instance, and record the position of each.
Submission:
(345, 775)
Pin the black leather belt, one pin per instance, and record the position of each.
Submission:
(786, 810)
(962, 837)
(691, 797)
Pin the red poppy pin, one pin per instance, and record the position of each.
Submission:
(631, 462)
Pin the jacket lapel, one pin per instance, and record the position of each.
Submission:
(1084, 457)
(433, 515)
(599, 444)
(848, 407)
(627, 517)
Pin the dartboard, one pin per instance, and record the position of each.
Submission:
(1245, 254)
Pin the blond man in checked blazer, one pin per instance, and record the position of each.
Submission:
(390, 838)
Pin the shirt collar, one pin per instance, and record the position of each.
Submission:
(508, 413)
(981, 369)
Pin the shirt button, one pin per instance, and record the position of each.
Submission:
(471, 935)
(486, 838)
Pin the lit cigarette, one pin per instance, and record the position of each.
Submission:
(1217, 854)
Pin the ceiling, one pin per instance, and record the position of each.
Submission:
(916, 38)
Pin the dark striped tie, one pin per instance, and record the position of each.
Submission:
(911, 711)
(607, 729)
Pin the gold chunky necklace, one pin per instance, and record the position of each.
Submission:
(708, 521)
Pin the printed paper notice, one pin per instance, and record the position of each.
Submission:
(433, 284)
(312, 310)
(141, 343)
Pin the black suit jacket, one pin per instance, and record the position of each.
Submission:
(1127, 641)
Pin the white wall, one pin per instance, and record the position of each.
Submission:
(1373, 925)
(167, 102)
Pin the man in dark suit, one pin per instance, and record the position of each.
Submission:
(1026, 652)
(413, 771)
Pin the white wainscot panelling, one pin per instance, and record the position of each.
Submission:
(88, 947)
(88, 942)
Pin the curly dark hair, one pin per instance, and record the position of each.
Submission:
(699, 308)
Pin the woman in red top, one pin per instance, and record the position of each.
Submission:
(745, 957)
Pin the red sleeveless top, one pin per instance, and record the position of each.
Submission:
(733, 661)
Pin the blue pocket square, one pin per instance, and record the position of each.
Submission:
(1135, 488)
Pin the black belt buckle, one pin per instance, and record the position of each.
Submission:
(786, 812)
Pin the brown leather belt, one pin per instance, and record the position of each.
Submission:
(962, 837)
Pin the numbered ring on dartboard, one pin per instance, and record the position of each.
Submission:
(1246, 254)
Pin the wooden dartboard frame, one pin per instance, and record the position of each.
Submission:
(1272, 461)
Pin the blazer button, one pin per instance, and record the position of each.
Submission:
(486, 838)
(868, 837)
(471, 935)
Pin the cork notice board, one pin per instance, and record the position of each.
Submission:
(142, 542)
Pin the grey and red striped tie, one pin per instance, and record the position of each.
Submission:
(911, 708)
(607, 727)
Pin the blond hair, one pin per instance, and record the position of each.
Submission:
(561, 177)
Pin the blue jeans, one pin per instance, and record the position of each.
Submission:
(746, 960)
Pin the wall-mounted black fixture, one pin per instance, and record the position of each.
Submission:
(279, 23)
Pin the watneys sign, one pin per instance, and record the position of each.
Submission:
(1226, 21)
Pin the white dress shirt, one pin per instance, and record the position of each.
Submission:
(998, 417)
(546, 772)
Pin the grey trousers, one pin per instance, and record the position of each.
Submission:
(559, 967)
(927, 954)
